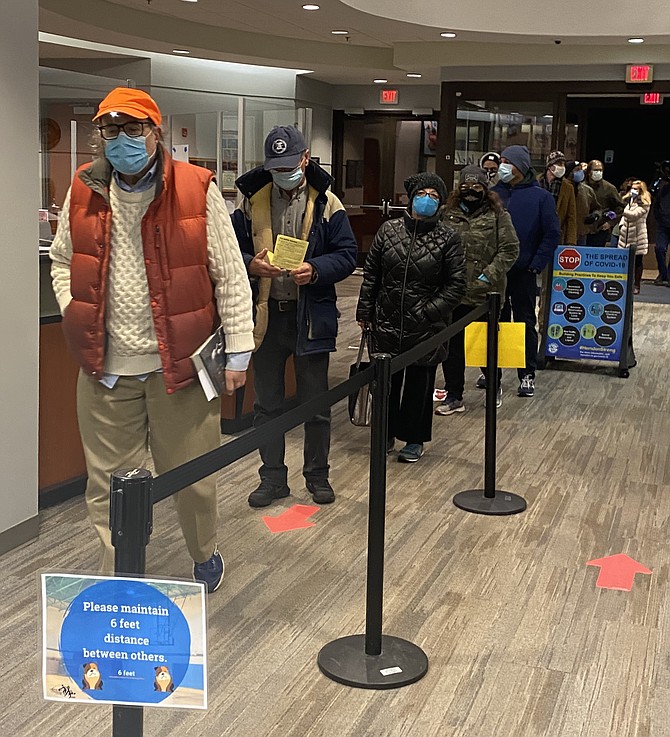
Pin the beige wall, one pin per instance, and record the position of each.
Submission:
(19, 202)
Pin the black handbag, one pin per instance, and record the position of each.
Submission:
(360, 403)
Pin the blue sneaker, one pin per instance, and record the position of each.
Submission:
(210, 572)
(411, 453)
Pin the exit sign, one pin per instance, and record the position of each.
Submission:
(639, 73)
(388, 97)
(651, 98)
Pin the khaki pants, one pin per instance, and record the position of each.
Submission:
(115, 426)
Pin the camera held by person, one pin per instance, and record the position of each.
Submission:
(600, 218)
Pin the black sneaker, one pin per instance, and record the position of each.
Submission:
(266, 493)
(527, 386)
(390, 446)
(481, 382)
(210, 572)
(321, 491)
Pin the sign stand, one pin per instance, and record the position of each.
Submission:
(589, 311)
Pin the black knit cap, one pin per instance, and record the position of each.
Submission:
(425, 179)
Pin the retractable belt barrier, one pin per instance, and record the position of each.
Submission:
(372, 660)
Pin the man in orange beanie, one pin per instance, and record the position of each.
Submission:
(145, 267)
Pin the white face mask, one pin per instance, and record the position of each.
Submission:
(505, 173)
(596, 176)
(557, 171)
(634, 192)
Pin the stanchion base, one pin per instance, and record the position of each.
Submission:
(400, 663)
(504, 502)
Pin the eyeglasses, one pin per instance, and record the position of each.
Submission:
(133, 129)
(433, 195)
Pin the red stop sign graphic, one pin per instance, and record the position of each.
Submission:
(569, 258)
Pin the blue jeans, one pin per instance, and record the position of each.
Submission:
(662, 240)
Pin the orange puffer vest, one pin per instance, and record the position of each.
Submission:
(174, 239)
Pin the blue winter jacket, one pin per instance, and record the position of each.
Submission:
(533, 212)
(332, 252)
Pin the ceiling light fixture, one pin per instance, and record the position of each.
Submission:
(414, 75)
(635, 40)
(448, 34)
(380, 81)
(181, 51)
(189, 1)
(340, 33)
(310, 7)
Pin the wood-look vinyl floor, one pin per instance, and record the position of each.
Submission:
(521, 643)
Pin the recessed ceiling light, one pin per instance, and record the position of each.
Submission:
(190, 1)
(448, 34)
(413, 75)
(181, 51)
(635, 40)
(340, 33)
(380, 81)
(310, 7)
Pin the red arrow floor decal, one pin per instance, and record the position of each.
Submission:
(294, 518)
(617, 571)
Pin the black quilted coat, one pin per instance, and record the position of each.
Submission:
(414, 276)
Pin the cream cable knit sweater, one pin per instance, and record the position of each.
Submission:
(132, 347)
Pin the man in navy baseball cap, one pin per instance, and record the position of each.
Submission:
(295, 311)
(284, 147)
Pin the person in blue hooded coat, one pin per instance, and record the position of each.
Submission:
(534, 217)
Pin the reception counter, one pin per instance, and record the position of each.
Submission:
(62, 470)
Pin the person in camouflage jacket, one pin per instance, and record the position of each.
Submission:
(491, 247)
(414, 276)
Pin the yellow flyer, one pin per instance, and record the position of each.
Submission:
(511, 344)
(289, 252)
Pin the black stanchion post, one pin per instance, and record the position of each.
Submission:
(374, 660)
(130, 520)
(491, 502)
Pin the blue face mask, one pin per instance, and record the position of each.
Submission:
(288, 180)
(505, 173)
(578, 176)
(424, 206)
(127, 155)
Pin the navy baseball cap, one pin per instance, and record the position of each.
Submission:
(284, 147)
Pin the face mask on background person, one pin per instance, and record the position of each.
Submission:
(505, 173)
(634, 193)
(557, 171)
(425, 206)
(287, 180)
(578, 176)
(471, 199)
(491, 174)
(596, 176)
(127, 155)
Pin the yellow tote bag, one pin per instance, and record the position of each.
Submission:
(511, 344)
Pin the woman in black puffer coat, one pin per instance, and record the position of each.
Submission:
(414, 276)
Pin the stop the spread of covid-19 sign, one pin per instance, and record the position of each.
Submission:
(588, 303)
(130, 641)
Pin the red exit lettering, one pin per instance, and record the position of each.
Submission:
(389, 97)
(652, 98)
(639, 73)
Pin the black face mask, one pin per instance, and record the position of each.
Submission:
(471, 199)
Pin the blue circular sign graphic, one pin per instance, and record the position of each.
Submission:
(597, 286)
(125, 641)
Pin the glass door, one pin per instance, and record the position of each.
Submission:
(379, 153)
